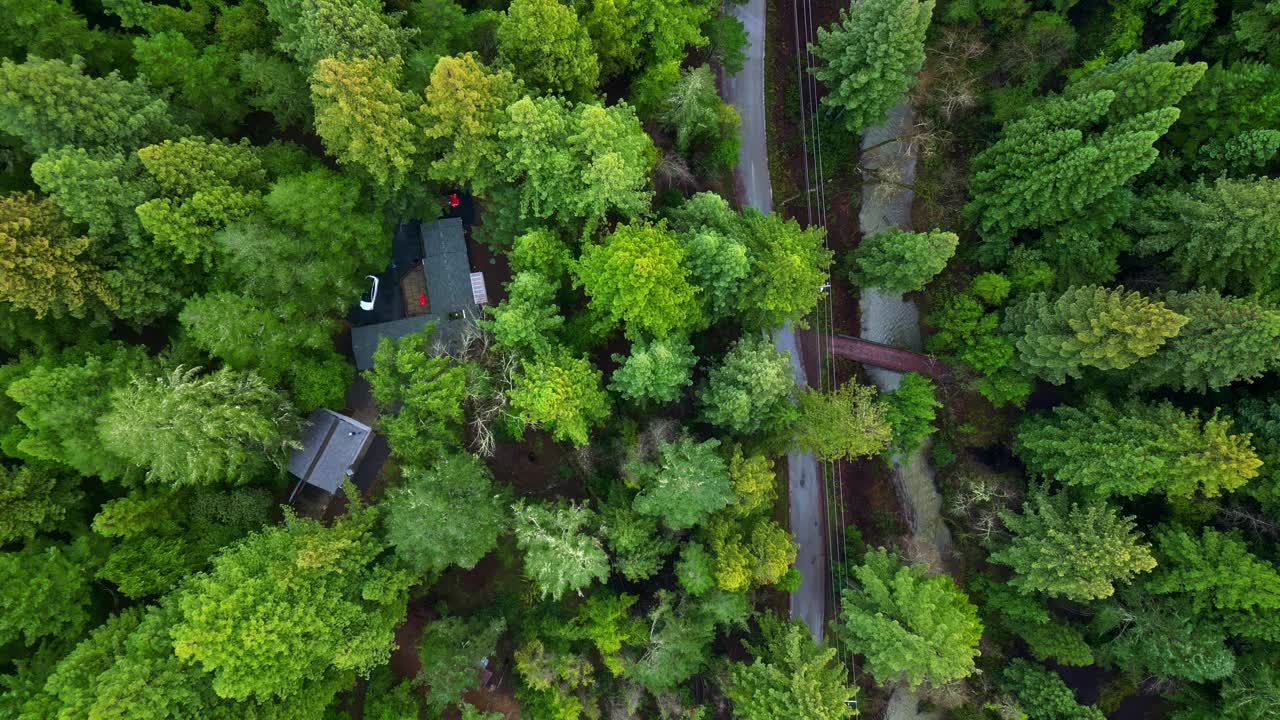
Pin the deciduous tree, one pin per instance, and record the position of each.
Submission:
(45, 591)
(562, 393)
(752, 390)
(466, 105)
(842, 424)
(637, 278)
(364, 118)
(548, 48)
(420, 395)
(451, 649)
(47, 266)
(655, 370)
(910, 625)
(900, 261)
(1071, 550)
(909, 410)
(688, 482)
(528, 321)
(449, 514)
(788, 269)
(291, 605)
(34, 498)
(559, 555)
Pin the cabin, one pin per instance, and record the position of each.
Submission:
(332, 447)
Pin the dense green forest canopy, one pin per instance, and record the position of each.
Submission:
(584, 487)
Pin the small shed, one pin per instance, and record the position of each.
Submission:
(332, 447)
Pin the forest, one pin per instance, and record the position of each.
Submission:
(581, 502)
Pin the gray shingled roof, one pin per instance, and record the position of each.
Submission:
(332, 445)
(448, 271)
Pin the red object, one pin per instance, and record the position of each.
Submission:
(422, 299)
(453, 200)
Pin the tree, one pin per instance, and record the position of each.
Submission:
(752, 390)
(558, 555)
(1043, 694)
(1142, 81)
(869, 59)
(248, 335)
(528, 320)
(1087, 326)
(34, 498)
(748, 552)
(655, 370)
(562, 393)
(1066, 549)
(364, 119)
(637, 278)
(465, 107)
(1224, 235)
(1225, 340)
(718, 263)
(548, 49)
(292, 605)
(386, 699)
(451, 650)
(900, 261)
(449, 514)
(420, 395)
(1079, 160)
(638, 547)
(842, 424)
(1164, 638)
(204, 186)
(204, 81)
(678, 646)
(910, 411)
(315, 30)
(791, 676)
(577, 165)
(1027, 617)
(86, 112)
(541, 251)
(60, 398)
(1135, 447)
(788, 269)
(191, 429)
(692, 109)
(688, 482)
(1215, 571)
(45, 591)
(47, 268)
(910, 625)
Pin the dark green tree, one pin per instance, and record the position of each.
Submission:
(910, 410)
(900, 261)
(1043, 695)
(34, 498)
(451, 649)
(45, 591)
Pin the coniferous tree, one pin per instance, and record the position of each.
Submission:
(528, 321)
(1216, 571)
(548, 48)
(364, 119)
(191, 429)
(1066, 549)
(1090, 326)
(900, 261)
(791, 676)
(465, 106)
(1043, 694)
(45, 591)
(688, 482)
(1134, 448)
(34, 498)
(657, 370)
(420, 394)
(1142, 81)
(1224, 235)
(47, 266)
(562, 393)
(751, 390)
(1225, 340)
(870, 57)
(451, 648)
(843, 424)
(910, 625)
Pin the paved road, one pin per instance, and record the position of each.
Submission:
(745, 91)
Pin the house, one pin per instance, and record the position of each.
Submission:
(332, 447)
(451, 297)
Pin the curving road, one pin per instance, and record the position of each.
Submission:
(745, 91)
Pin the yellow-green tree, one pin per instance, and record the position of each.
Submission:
(45, 266)
(637, 278)
(548, 48)
(364, 119)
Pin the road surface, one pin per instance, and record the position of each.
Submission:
(745, 91)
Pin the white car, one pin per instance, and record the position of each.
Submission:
(367, 300)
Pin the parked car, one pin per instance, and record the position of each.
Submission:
(371, 295)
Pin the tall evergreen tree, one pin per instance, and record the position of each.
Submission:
(1224, 235)
(1216, 571)
(191, 429)
(1090, 326)
(364, 119)
(901, 261)
(548, 48)
(1065, 549)
(1225, 340)
(45, 265)
(870, 57)
(791, 677)
(1135, 447)
(1142, 81)
(465, 106)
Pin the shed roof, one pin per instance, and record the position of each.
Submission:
(332, 445)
